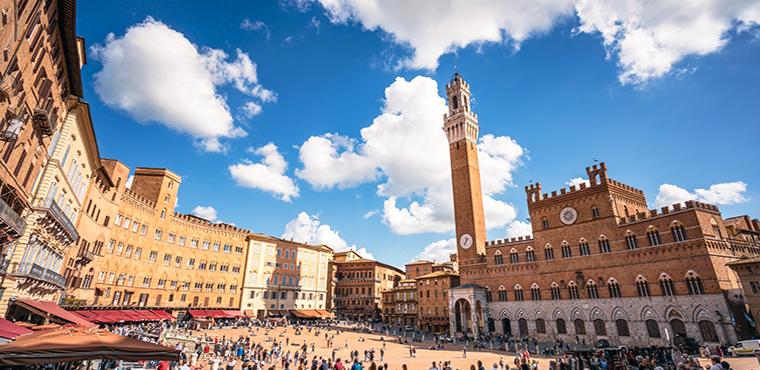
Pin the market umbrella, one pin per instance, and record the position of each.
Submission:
(76, 343)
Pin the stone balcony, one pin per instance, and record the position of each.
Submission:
(54, 213)
(10, 220)
(37, 272)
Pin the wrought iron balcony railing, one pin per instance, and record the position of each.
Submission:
(11, 218)
(35, 271)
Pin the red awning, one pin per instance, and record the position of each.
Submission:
(9, 330)
(51, 310)
(114, 316)
(234, 313)
(163, 315)
(197, 313)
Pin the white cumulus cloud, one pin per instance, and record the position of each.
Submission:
(205, 212)
(577, 181)
(267, 175)
(405, 150)
(308, 229)
(518, 228)
(435, 27)
(155, 74)
(648, 38)
(438, 251)
(719, 194)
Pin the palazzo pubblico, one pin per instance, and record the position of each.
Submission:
(600, 264)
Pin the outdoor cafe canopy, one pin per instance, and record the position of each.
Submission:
(76, 343)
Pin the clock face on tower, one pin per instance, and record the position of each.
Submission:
(465, 241)
(568, 215)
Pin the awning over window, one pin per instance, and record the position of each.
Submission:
(53, 312)
(311, 314)
(114, 316)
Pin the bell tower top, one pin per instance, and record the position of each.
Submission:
(460, 122)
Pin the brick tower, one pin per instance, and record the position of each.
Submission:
(461, 127)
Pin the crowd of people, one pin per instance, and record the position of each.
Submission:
(264, 347)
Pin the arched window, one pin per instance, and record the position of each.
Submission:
(555, 291)
(535, 292)
(666, 285)
(694, 283)
(678, 232)
(514, 257)
(530, 254)
(545, 223)
(498, 258)
(653, 329)
(522, 326)
(707, 329)
(614, 288)
(600, 328)
(595, 212)
(518, 293)
(622, 328)
(561, 328)
(489, 296)
(540, 326)
(604, 245)
(583, 248)
(630, 240)
(566, 252)
(502, 294)
(548, 252)
(580, 327)
(625, 211)
(572, 290)
(593, 292)
(653, 236)
(642, 286)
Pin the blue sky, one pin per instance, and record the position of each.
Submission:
(273, 128)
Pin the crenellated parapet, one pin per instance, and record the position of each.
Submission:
(220, 226)
(508, 241)
(668, 210)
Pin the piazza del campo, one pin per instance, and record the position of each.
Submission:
(105, 264)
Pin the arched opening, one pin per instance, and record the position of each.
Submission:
(599, 327)
(540, 326)
(506, 327)
(479, 316)
(462, 313)
(679, 328)
(707, 329)
(653, 329)
(580, 327)
(522, 325)
(491, 325)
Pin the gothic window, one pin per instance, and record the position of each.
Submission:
(678, 232)
(566, 252)
(489, 297)
(604, 245)
(707, 329)
(599, 327)
(498, 258)
(625, 211)
(630, 240)
(716, 229)
(535, 292)
(694, 283)
(540, 326)
(642, 286)
(502, 294)
(572, 290)
(653, 236)
(583, 248)
(666, 285)
(580, 327)
(555, 291)
(595, 212)
(561, 329)
(548, 252)
(614, 288)
(545, 223)
(530, 255)
(514, 257)
(518, 293)
(593, 292)
(622, 328)
(653, 329)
